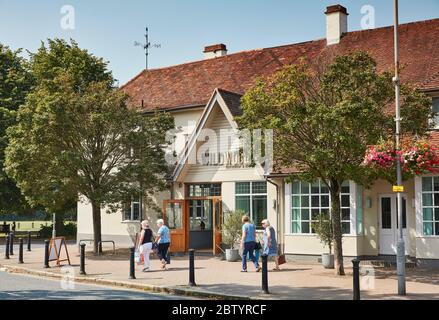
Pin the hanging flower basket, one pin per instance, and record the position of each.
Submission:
(417, 158)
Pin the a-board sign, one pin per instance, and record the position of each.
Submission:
(56, 253)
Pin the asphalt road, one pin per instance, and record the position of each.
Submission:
(19, 287)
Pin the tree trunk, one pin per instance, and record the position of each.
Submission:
(336, 225)
(97, 236)
(59, 224)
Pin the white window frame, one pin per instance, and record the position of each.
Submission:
(288, 228)
(420, 207)
(251, 194)
(132, 212)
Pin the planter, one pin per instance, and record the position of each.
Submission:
(328, 260)
(232, 255)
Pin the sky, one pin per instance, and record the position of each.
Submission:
(180, 29)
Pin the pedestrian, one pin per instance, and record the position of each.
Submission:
(13, 226)
(163, 241)
(269, 243)
(145, 244)
(248, 243)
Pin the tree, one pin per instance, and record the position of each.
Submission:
(76, 136)
(325, 114)
(15, 83)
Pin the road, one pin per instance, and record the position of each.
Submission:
(19, 287)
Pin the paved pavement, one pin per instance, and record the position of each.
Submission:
(19, 287)
(295, 281)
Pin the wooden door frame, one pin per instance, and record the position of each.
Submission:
(214, 226)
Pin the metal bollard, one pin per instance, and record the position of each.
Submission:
(192, 268)
(265, 274)
(11, 244)
(20, 251)
(46, 254)
(356, 269)
(7, 247)
(132, 269)
(82, 260)
(29, 239)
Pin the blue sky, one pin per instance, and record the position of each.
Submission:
(108, 28)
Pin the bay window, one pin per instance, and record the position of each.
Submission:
(430, 206)
(251, 197)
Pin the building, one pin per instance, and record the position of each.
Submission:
(206, 95)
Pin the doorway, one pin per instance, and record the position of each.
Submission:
(388, 220)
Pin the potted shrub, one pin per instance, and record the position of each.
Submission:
(231, 233)
(323, 229)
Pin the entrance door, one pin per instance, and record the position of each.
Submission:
(174, 214)
(389, 224)
(217, 225)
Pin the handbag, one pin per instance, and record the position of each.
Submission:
(258, 246)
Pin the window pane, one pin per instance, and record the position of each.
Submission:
(436, 214)
(428, 228)
(305, 201)
(345, 201)
(127, 212)
(427, 199)
(296, 227)
(305, 227)
(296, 187)
(174, 215)
(428, 214)
(324, 189)
(305, 214)
(436, 183)
(386, 213)
(259, 209)
(427, 184)
(242, 188)
(315, 201)
(296, 214)
(296, 201)
(436, 229)
(315, 214)
(136, 211)
(243, 203)
(346, 227)
(315, 187)
(346, 214)
(345, 187)
(325, 201)
(259, 187)
(436, 199)
(305, 187)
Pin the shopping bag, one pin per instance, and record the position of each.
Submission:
(137, 257)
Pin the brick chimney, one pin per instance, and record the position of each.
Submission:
(215, 51)
(336, 23)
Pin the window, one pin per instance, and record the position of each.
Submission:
(430, 206)
(132, 211)
(436, 110)
(200, 212)
(311, 199)
(251, 197)
(204, 190)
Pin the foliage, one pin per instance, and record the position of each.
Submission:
(323, 229)
(76, 135)
(232, 227)
(15, 83)
(325, 114)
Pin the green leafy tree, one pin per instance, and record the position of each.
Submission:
(15, 83)
(325, 114)
(76, 136)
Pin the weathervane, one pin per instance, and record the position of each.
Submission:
(146, 47)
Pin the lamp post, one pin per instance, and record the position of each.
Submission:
(400, 258)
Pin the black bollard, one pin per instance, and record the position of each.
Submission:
(11, 244)
(192, 268)
(265, 274)
(20, 251)
(82, 260)
(356, 269)
(28, 241)
(7, 247)
(132, 270)
(46, 254)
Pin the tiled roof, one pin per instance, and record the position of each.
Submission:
(233, 101)
(191, 84)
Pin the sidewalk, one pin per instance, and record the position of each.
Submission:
(220, 279)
